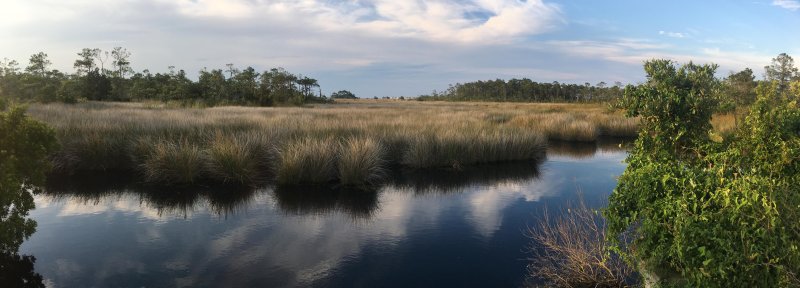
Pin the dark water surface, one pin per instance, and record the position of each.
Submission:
(424, 229)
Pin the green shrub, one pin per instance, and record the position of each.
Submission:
(708, 214)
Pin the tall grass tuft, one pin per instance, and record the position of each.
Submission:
(361, 162)
(91, 150)
(169, 162)
(306, 160)
(455, 149)
(234, 159)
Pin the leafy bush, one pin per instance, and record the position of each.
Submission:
(709, 214)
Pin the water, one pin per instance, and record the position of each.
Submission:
(424, 229)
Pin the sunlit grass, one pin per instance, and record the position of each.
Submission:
(174, 162)
(237, 159)
(349, 143)
(307, 160)
(361, 162)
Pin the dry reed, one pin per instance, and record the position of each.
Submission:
(237, 144)
(571, 251)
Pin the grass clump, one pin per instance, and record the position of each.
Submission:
(361, 162)
(454, 149)
(234, 159)
(306, 160)
(168, 162)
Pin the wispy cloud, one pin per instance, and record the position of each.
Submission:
(474, 21)
(636, 51)
(672, 34)
(787, 4)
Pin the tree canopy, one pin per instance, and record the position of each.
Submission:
(707, 213)
(107, 75)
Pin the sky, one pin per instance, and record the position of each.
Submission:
(408, 47)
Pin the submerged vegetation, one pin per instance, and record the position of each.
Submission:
(352, 144)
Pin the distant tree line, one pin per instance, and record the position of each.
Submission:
(107, 76)
(735, 90)
(527, 90)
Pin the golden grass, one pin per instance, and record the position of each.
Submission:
(335, 142)
(724, 123)
(176, 162)
(361, 161)
(307, 160)
(236, 159)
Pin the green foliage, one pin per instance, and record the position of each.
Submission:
(709, 214)
(781, 70)
(24, 146)
(93, 81)
(526, 90)
(740, 87)
(343, 94)
(672, 98)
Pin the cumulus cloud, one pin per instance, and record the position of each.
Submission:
(477, 21)
(787, 4)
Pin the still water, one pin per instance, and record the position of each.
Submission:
(424, 229)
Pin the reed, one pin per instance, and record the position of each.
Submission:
(725, 124)
(168, 162)
(361, 162)
(307, 160)
(236, 159)
(571, 250)
(325, 143)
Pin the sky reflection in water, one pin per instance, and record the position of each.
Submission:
(422, 229)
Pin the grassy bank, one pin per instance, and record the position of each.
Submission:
(351, 143)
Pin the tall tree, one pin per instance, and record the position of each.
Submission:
(38, 64)
(741, 87)
(85, 63)
(120, 62)
(101, 57)
(781, 70)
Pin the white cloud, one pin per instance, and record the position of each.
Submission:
(635, 52)
(672, 34)
(787, 4)
(439, 20)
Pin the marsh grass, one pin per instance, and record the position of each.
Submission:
(237, 159)
(180, 162)
(307, 160)
(361, 162)
(326, 143)
(724, 124)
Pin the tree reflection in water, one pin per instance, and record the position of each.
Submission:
(24, 146)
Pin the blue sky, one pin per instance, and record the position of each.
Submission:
(408, 47)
